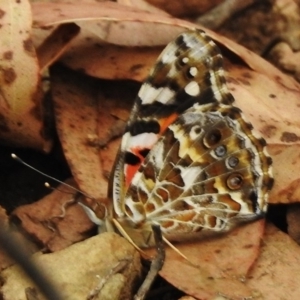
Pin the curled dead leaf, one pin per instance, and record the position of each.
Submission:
(218, 266)
(276, 270)
(111, 22)
(5, 261)
(293, 222)
(109, 61)
(55, 44)
(142, 4)
(186, 8)
(21, 117)
(76, 111)
(271, 104)
(56, 221)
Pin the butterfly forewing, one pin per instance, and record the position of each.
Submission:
(188, 72)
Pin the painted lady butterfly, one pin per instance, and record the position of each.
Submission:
(188, 161)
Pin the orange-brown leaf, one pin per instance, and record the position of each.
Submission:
(218, 266)
(56, 221)
(276, 272)
(20, 89)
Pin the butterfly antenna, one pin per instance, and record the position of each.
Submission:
(18, 159)
(50, 187)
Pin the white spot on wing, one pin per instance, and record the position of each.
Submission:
(195, 132)
(193, 71)
(165, 95)
(158, 154)
(142, 140)
(192, 89)
(126, 137)
(168, 55)
(148, 94)
(185, 60)
(189, 175)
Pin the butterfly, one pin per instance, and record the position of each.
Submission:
(188, 161)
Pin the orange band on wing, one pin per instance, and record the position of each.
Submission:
(165, 122)
(132, 169)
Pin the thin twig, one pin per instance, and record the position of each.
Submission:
(156, 264)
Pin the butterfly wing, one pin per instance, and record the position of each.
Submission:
(208, 171)
(188, 72)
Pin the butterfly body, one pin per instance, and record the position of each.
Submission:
(188, 160)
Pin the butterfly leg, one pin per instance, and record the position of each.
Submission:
(156, 264)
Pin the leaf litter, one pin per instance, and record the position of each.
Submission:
(85, 116)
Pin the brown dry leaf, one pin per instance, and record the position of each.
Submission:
(187, 298)
(109, 61)
(86, 115)
(116, 29)
(76, 112)
(219, 265)
(286, 161)
(111, 22)
(185, 8)
(106, 265)
(263, 99)
(289, 27)
(276, 272)
(55, 221)
(97, 27)
(113, 111)
(27, 245)
(20, 90)
(108, 155)
(225, 11)
(253, 61)
(142, 4)
(284, 57)
(114, 107)
(293, 222)
(5, 261)
(3, 217)
(88, 53)
(56, 44)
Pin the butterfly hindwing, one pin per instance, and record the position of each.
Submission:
(207, 171)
